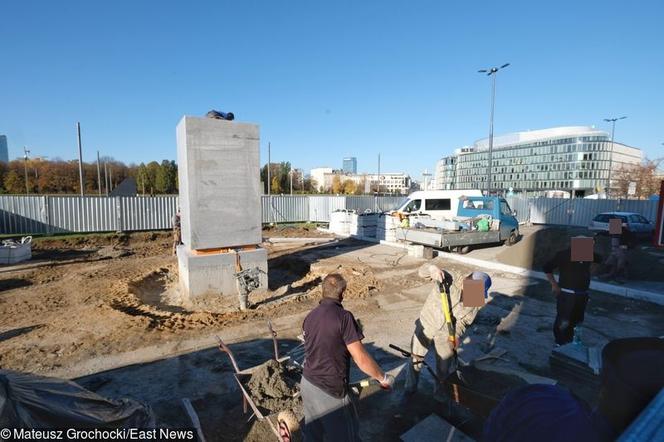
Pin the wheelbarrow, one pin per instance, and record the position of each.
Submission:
(285, 425)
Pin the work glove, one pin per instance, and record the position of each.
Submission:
(431, 271)
(388, 382)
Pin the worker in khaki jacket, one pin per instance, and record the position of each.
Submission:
(431, 329)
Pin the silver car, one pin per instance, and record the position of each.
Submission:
(632, 223)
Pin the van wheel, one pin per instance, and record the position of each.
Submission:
(514, 237)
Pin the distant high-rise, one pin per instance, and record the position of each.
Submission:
(350, 165)
(4, 152)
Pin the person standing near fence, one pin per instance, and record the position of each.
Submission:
(177, 232)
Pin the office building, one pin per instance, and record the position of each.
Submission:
(574, 159)
(318, 175)
(394, 183)
(4, 150)
(350, 165)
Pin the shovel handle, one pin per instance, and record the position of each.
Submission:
(403, 352)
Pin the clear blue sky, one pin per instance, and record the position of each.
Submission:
(325, 79)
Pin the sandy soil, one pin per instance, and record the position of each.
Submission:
(102, 294)
(540, 243)
(59, 317)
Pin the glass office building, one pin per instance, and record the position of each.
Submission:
(573, 159)
(4, 153)
(350, 165)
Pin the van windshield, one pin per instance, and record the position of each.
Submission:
(411, 206)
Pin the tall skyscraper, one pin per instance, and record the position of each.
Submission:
(4, 151)
(350, 165)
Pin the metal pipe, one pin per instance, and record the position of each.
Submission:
(98, 174)
(80, 158)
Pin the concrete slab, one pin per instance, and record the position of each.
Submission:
(434, 428)
(218, 171)
(215, 274)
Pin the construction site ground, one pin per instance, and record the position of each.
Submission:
(100, 309)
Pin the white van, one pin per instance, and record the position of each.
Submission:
(439, 204)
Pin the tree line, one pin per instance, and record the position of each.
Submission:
(40, 176)
(645, 176)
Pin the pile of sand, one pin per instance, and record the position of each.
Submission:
(272, 386)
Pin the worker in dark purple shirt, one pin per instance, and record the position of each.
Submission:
(571, 291)
(331, 338)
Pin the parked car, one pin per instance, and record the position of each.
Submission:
(632, 223)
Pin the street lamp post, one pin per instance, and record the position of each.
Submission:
(613, 132)
(25, 163)
(491, 72)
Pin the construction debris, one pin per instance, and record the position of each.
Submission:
(433, 428)
(577, 361)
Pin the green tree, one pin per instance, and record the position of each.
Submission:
(152, 170)
(165, 177)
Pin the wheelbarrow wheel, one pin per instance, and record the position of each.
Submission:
(289, 426)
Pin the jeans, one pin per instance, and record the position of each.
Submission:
(571, 308)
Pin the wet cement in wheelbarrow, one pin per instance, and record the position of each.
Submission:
(273, 387)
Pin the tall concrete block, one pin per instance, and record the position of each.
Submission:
(215, 274)
(219, 181)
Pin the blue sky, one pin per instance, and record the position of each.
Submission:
(325, 79)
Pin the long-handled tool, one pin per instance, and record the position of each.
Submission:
(407, 354)
(446, 303)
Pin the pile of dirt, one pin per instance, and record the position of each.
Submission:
(297, 231)
(536, 249)
(272, 386)
(361, 282)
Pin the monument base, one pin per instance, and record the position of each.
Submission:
(215, 274)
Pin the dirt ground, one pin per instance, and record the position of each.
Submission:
(539, 243)
(99, 309)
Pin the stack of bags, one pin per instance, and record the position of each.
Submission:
(363, 224)
(340, 222)
(386, 226)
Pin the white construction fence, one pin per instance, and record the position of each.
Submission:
(59, 214)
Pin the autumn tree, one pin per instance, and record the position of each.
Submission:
(644, 175)
(337, 186)
(14, 183)
(360, 187)
(276, 186)
(349, 187)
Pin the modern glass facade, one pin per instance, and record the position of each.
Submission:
(350, 165)
(4, 153)
(574, 159)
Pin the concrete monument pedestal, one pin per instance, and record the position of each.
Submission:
(215, 273)
(220, 206)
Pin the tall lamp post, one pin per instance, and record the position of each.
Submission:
(613, 132)
(25, 163)
(491, 72)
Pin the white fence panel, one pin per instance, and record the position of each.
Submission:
(285, 208)
(59, 214)
(320, 207)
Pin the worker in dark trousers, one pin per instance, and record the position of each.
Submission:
(331, 338)
(571, 291)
